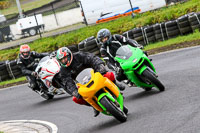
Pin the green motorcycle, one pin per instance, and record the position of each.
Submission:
(138, 68)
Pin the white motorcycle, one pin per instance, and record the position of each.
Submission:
(47, 80)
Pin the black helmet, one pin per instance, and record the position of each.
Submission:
(102, 34)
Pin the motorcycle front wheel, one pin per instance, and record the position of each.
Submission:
(113, 109)
(153, 79)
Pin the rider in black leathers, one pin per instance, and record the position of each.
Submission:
(27, 62)
(110, 44)
(72, 64)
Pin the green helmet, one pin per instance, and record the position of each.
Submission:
(64, 56)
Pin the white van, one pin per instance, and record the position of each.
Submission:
(97, 11)
(30, 24)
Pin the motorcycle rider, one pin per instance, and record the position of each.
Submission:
(110, 44)
(72, 64)
(27, 63)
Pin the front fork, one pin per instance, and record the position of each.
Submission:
(118, 101)
(144, 67)
(152, 71)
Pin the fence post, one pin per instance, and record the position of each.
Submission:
(37, 25)
(19, 9)
(54, 14)
(83, 14)
(132, 14)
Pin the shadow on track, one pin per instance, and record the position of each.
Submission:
(104, 126)
(142, 94)
(52, 101)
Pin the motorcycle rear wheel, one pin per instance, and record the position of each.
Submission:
(152, 78)
(113, 109)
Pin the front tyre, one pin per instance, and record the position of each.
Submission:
(113, 109)
(125, 109)
(152, 78)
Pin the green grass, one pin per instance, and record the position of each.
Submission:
(117, 26)
(67, 7)
(28, 6)
(177, 40)
(12, 81)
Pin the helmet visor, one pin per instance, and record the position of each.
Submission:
(25, 54)
(66, 60)
(104, 39)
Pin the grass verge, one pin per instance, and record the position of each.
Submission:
(13, 82)
(175, 43)
(117, 26)
(28, 6)
(180, 39)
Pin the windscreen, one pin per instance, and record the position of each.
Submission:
(124, 52)
(43, 59)
(84, 76)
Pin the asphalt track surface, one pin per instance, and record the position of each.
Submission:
(175, 110)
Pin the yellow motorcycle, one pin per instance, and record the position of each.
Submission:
(101, 93)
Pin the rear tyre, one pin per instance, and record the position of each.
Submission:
(113, 109)
(152, 78)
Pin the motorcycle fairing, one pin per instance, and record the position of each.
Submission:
(98, 83)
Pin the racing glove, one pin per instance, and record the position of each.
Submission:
(53, 54)
(102, 69)
(34, 74)
(140, 47)
(76, 94)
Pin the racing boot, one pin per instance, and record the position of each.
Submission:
(52, 90)
(40, 92)
(58, 91)
(126, 81)
(96, 112)
(120, 86)
(129, 83)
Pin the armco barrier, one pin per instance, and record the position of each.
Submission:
(143, 35)
(90, 45)
(160, 32)
(148, 34)
(183, 25)
(10, 69)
